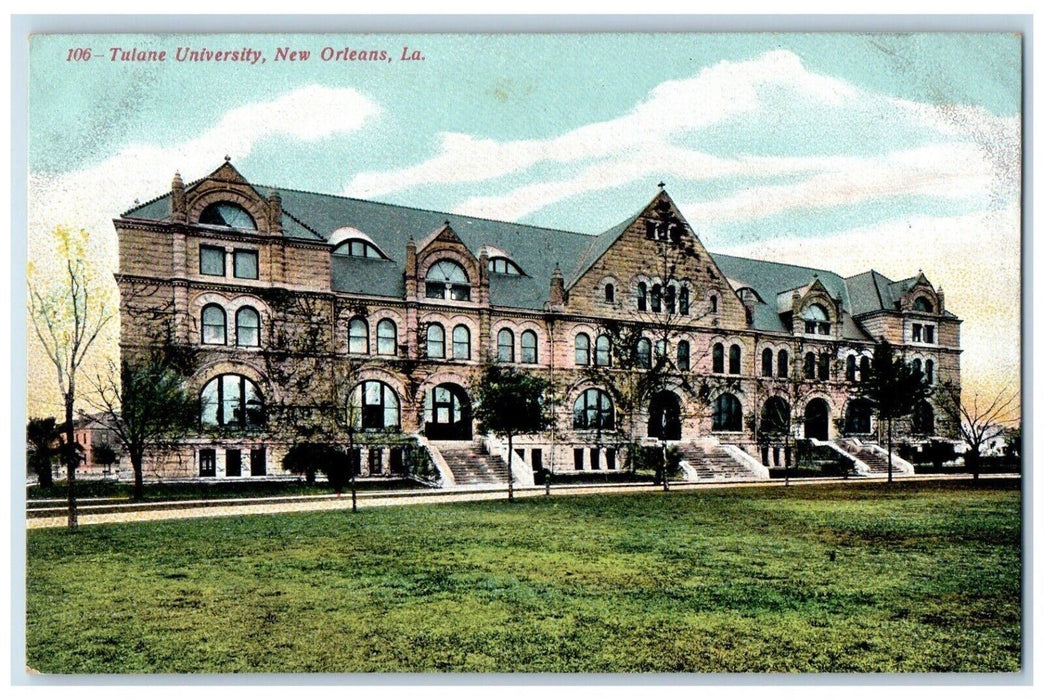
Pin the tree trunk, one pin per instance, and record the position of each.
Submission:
(139, 481)
(71, 458)
(665, 488)
(972, 459)
(44, 473)
(889, 450)
(511, 480)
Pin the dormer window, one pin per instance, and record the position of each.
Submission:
(503, 266)
(228, 215)
(923, 304)
(662, 230)
(447, 280)
(816, 320)
(358, 248)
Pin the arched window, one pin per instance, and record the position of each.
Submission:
(461, 343)
(734, 359)
(641, 296)
(783, 364)
(718, 358)
(923, 304)
(654, 300)
(775, 417)
(528, 347)
(582, 350)
(447, 280)
(683, 301)
(864, 368)
(728, 413)
(358, 248)
(506, 345)
(378, 406)
(915, 366)
(227, 214)
(714, 304)
(923, 420)
(593, 410)
(358, 337)
(232, 400)
(824, 366)
(503, 266)
(857, 417)
(387, 337)
(248, 327)
(766, 362)
(602, 355)
(816, 320)
(610, 293)
(436, 341)
(810, 365)
(213, 321)
(929, 371)
(669, 296)
(683, 355)
(850, 368)
(644, 351)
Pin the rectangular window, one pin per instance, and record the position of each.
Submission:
(374, 462)
(211, 261)
(207, 461)
(233, 463)
(245, 264)
(594, 458)
(917, 332)
(610, 458)
(257, 461)
(929, 334)
(578, 458)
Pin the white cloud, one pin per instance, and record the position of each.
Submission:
(976, 152)
(975, 258)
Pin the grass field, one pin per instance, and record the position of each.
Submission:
(857, 577)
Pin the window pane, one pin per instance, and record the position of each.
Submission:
(357, 336)
(582, 350)
(245, 264)
(211, 261)
(247, 327)
(213, 325)
(208, 414)
(231, 400)
(461, 343)
(436, 341)
(683, 355)
(506, 346)
(386, 338)
(529, 347)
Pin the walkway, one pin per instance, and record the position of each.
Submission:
(174, 510)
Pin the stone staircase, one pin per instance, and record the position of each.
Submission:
(876, 461)
(471, 464)
(712, 463)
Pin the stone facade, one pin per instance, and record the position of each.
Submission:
(296, 304)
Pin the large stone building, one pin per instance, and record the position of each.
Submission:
(295, 304)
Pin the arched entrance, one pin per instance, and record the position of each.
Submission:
(857, 417)
(775, 417)
(447, 413)
(665, 416)
(817, 419)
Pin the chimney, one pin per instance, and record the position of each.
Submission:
(557, 296)
(275, 212)
(942, 300)
(411, 269)
(177, 199)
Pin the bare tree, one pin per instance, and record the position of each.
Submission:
(978, 420)
(68, 315)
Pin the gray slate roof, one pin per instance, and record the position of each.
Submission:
(314, 217)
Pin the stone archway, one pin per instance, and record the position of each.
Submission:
(665, 416)
(817, 420)
(447, 413)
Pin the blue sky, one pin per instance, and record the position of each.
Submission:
(838, 150)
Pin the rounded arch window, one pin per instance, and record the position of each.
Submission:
(582, 350)
(436, 341)
(461, 343)
(387, 337)
(817, 321)
(783, 364)
(593, 410)
(603, 357)
(610, 293)
(718, 358)
(644, 352)
(248, 327)
(378, 406)
(923, 304)
(504, 266)
(213, 322)
(232, 400)
(728, 413)
(683, 355)
(506, 345)
(227, 214)
(358, 248)
(528, 347)
(766, 362)
(447, 280)
(358, 337)
(734, 359)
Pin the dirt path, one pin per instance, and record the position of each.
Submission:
(260, 506)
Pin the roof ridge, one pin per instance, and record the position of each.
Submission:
(429, 211)
(776, 262)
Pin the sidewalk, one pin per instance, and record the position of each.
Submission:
(172, 510)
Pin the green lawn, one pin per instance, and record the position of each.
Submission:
(854, 577)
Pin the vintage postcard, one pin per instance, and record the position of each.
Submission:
(532, 353)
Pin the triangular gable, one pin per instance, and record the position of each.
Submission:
(443, 234)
